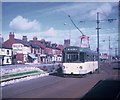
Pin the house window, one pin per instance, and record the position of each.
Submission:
(7, 61)
(34, 51)
(39, 50)
(7, 52)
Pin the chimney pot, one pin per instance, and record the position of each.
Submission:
(11, 35)
(34, 38)
(24, 38)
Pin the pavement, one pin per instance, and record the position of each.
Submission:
(20, 71)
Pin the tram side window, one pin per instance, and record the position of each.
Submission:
(63, 57)
(88, 57)
(94, 58)
(82, 56)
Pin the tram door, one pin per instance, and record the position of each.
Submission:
(82, 56)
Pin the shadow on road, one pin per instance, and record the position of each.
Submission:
(104, 90)
(117, 68)
(57, 74)
(67, 75)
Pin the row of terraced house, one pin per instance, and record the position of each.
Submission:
(15, 51)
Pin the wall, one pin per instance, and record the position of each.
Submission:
(26, 50)
(17, 48)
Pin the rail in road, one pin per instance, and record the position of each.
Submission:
(54, 86)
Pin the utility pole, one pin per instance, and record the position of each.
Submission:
(116, 52)
(119, 31)
(98, 28)
(109, 51)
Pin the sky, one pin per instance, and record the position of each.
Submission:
(50, 21)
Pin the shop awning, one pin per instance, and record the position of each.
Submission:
(32, 56)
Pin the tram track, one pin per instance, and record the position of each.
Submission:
(109, 71)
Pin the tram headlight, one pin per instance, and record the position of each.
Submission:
(63, 67)
(80, 67)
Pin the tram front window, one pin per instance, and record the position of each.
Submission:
(72, 57)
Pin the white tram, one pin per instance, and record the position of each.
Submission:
(77, 60)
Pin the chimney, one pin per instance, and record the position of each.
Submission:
(11, 35)
(34, 38)
(24, 38)
(67, 42)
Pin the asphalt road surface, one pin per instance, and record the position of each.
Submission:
(53, 86)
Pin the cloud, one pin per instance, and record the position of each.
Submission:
(105, 10)
(24, 24)
(51, 32)
(73, 9)
(76, 10)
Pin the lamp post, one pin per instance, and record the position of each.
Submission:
(69, 31)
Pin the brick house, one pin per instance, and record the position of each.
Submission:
(57, 57)
(41, 51)
(61, 47)
(22, 49)
(33, 51)
(53, 53)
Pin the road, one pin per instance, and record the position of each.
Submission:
(59, 87)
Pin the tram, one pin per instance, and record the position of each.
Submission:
(78, 60)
